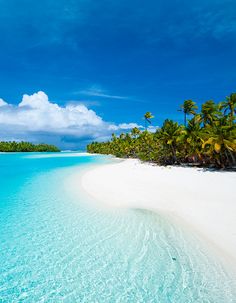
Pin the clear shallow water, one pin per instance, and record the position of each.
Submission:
(57, 248)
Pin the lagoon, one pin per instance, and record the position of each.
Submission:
(61, 247)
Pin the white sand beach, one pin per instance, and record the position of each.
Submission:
(204, 200)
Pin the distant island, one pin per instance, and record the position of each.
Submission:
(207, 139)
(12, 146)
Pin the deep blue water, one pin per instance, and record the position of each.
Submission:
(57, 247)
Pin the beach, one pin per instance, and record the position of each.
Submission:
(203, 200)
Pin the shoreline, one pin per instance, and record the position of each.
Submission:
(200, 200)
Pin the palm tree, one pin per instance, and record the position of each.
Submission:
(208, 138)
(122, 136)
(188, 108)
(145, 146)
(135, 132)
(192, 140)
(220, 142)
(229, 105)
(169, 135)
(209, 112)
(148, 116)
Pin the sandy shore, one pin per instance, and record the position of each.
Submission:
(205, 200)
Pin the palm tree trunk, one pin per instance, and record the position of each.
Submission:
(173, 153)
(232, 157)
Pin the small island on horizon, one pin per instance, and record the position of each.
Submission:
(13, 146)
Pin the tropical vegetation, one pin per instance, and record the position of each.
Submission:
(22, 146)
(206, 138)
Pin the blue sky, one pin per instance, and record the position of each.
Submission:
(118, 58)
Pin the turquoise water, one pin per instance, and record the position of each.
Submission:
(56, 247)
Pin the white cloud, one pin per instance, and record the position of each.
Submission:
(36, 118)
(152, 128)
(36, 113)
(124, 126)
(2, 102)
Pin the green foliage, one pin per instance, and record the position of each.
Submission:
(147, 117)
(229, 106)
(207, 139)
(26, 147)
(188, 108)
(210, 112)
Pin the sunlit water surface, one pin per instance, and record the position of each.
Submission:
(56, 247)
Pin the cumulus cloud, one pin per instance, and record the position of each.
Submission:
(35, 118)
(2, 102)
